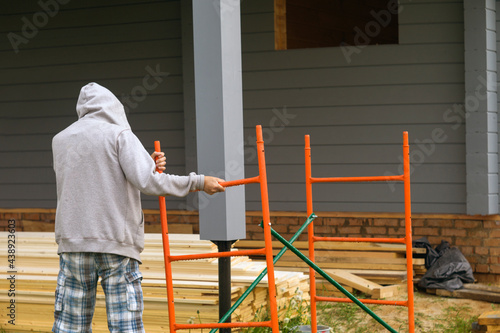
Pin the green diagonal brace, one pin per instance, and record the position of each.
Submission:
(263, 273)
(332, 281)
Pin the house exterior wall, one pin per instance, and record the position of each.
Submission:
(355, 102)
(131, 48)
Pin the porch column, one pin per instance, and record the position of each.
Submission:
(219, 115)
(481, 107)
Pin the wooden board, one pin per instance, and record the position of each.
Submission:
(347, 265)
(389, 291)
(173, 228)
(349, 246)
(352, 280)
(479, 295)
(489, 318)
(484, 287)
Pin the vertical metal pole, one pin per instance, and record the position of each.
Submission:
(166, 255)
(267, 230)
(408, 231)
(224, 282)
(310, 232)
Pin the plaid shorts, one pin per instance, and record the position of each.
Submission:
(76, 292)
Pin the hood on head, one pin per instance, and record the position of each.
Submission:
(97, 102)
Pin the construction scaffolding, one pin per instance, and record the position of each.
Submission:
(407, 240)
(267, 251)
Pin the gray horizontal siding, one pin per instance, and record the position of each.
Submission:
(358, 95)
(355, 110)
(113, 43)
(46, 90)
(375, 55)
(67, 106)
(348, 77)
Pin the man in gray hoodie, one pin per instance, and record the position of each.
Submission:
(101, 167)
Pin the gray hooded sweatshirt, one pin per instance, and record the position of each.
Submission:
(101, 167)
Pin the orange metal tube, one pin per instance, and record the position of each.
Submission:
(408, 231)
(360, 239)
(223, 325)
(217, 255)
(166, 255)
(267, 230)
(357, 179)
(240, 181)
(364, 301)
(310, 233)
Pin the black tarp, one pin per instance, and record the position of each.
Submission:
(449, 270)
(431, 254)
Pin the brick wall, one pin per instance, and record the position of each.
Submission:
(478, 237)
(28, 219)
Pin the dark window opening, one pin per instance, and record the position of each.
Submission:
(326, 23)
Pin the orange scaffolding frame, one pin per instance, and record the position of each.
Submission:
(267, 251)
(407, 240)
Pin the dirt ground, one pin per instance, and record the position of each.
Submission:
(433, 314)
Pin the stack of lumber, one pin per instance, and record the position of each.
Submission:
(475, 291)
(195, 284)
(487, 322)
(366, 267)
